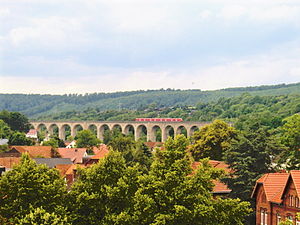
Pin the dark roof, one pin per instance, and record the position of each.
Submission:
(52, 162)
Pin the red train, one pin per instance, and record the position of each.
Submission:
(159, 119)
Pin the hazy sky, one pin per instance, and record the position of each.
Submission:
(79, 46)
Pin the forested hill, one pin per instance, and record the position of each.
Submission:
(34, 105)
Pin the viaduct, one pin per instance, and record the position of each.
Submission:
(135, 127)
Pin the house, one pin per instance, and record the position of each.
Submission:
(69, 172)
(100, 152)
(277, 198)
(52, 162)
(7, 163)
(33, 151)
(71, 144)
(75, 154)
(220, 188)
(32, 134)
(3, 141)
(152, 145)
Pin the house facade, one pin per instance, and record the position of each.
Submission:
(277, 198)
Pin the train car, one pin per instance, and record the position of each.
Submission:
(159, 119)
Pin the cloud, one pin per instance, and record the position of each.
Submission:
(86, 46)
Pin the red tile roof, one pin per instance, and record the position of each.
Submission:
(273, 184)
(151, 144)
(100, 152)
(219, 187)
(295, 174)
(32, 132)
(75, 154)
(9, 162)
(35, 151)
(63, 168)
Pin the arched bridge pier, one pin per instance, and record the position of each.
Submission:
(139, 129)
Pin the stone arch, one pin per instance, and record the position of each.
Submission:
(117, 126)
(76, 128)
(102, 129)
(156, 134)
(93, 128)
(41, 128)
(129, 129)
(182, 130)
(65, 131)
(168, 132)
(53, 130)
(141, 132)
(192, 130)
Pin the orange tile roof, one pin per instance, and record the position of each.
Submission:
(151, 144)
(74, 167)
(35, 151)
(219, 186)
(63, 168)
(75, 154)
(100, 152)
(274, 185)
(295, 174)
(9, 162)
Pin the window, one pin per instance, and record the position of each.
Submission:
(297, 202)
(263, 217)
(289, 218)
(279, 218)
(292, 201)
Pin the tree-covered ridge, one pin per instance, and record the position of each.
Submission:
(274, 108)
(35, 105)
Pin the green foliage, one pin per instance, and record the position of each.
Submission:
(291, 132)
(52, 142)
(5, 131)
(250, 156)
(104, 192)
(15, 120)
(290, 137)
(30, 185)
(18, 138)
(55, 142)
(170, 194)
(40, 216)
(212, 140)
(45, 105)
(86, 139)
(132, 151)
(4, 148)
(286, 222)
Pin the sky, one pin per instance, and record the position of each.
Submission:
(80, 46)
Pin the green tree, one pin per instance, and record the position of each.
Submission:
(251, 155)
(291, 132)
(52, 142)
(86, 139)
(30, 185)
(290, 136)
(212, 140)
(18, 138)
(40, 216)
(171, 194)
(103, 194)
(5, 131)
(55, 142)
(15, 120)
